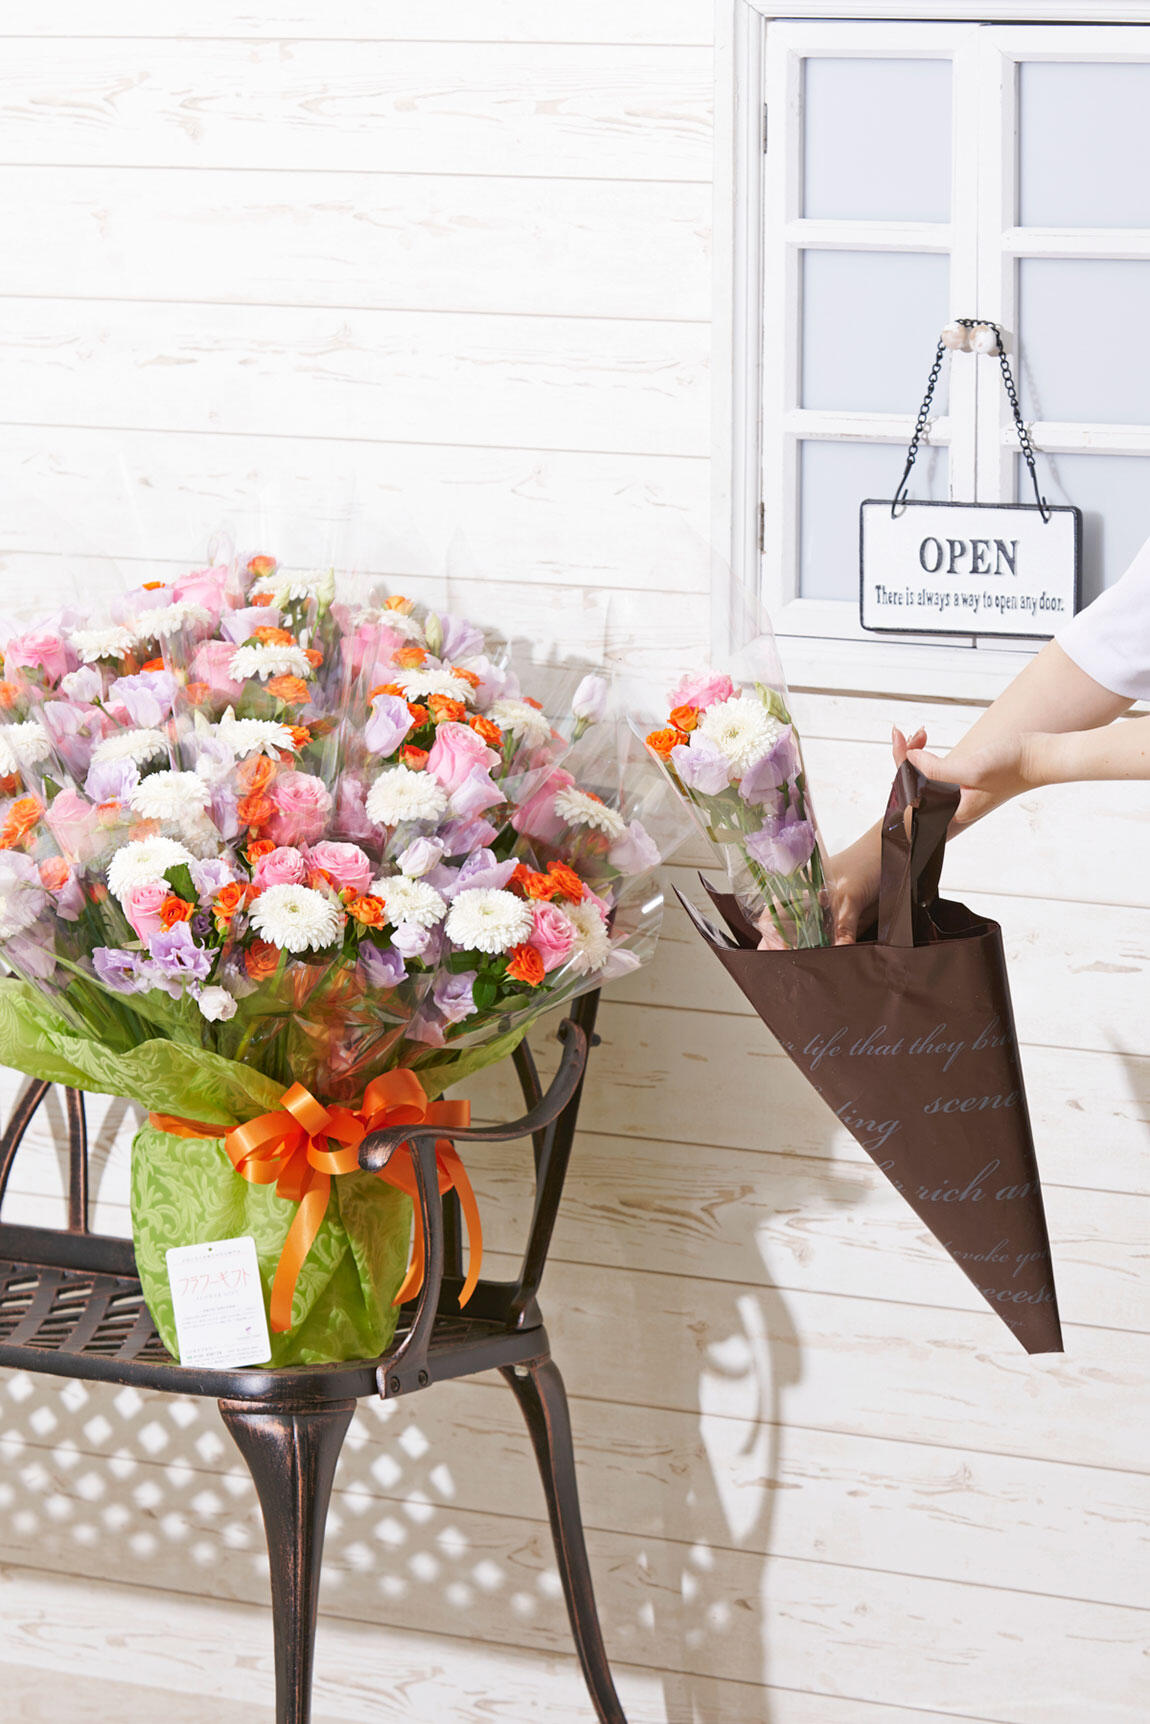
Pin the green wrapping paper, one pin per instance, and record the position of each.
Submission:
(185, 1190)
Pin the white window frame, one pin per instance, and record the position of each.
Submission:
(747, 290)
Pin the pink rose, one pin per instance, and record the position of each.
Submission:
(454, 752)
(282, 867)
(302, 809)
(346, 866)
(39, 651)
(703, 690)
(211, 663)
(202, 587)
(75, 825)
(552, 936)
(142, 908)
(371, 644)
(537, 817)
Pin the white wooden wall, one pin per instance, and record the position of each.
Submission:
(458, 252)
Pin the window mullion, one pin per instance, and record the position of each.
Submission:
(997, 289)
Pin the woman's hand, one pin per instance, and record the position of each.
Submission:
(988, 775)
(853, 875)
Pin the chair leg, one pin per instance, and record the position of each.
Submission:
(542, 1400)
(292, 1457)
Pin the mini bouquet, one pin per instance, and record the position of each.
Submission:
(734, 756)
(281, 867)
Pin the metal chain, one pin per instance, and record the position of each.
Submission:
(1024, 442)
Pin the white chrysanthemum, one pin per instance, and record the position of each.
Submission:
(138, 745)
(408, 627)
(400, 794)
(521, 719)
(286, 588)
(592, 946)
(246, 736)
(94, 644)
(22, 745)
(266, 661)
(178, 796)
(412, 901)
(418, 684)
(143, 861)
(296, 918)
(741, 728)
(484, 919)
(579, 809)
(168, 620)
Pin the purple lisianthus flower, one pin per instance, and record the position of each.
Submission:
(781, 846)
(410, 939)
(461, 639)
(351, 822)
(454, 995)
(389, 723)
(426, 1026)
(482, 870)
(210, 876)
(701, 766)
(475, 795)
(421, 855)
(224, 810)
(381, 969)
(175, 960)
(240, 625)
(82, 686)
(635, 851)
(29, 957)
(149, 697)
(771, 770)
(118, 970)
(112, 781)
(463, 836)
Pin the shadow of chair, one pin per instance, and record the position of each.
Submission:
(71, 1306)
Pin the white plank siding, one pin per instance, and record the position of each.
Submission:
(448, 264)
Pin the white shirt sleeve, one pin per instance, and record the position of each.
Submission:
(1110, 639)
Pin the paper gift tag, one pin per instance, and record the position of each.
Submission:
(219, 1303)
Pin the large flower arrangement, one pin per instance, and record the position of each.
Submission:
(254, 835)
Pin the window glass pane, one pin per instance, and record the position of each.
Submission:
(1113, 492)
(870, 323)
(1084, 143)
(834, 479)
(876, 140)
(1084, 350)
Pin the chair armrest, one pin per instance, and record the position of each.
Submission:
(406, 1369)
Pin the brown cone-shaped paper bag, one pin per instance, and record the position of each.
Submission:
(909, 1039)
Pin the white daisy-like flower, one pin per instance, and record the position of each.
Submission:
(94, 644)
(521, 719)
(22, 745)
(138, 745)
(418, 684)
(592, 946)
(296, 918)
(577, 808)
(412, 901)
(400, 794)
(143, 861)
(173, 796)
(400, 624)
(287, 588)
(168, 620)
(740, 728)
(246, 736)
(484, 919)
(266, 661)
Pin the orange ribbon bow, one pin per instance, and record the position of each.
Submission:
(302, 1144)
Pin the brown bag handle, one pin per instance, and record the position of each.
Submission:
(912, 861)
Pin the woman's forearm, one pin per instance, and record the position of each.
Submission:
(1117, 751)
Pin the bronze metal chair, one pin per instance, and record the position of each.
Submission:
(71, 1306)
